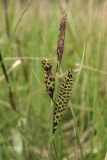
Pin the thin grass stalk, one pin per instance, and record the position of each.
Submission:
(72, 112)
(5, 4)
(55, 93)
(76, 134)
(51, 133)
(52, 143)
(24, 67)
(10, 92)
(16, 26)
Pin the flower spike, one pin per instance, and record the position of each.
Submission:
(49, 79)
(63, 99)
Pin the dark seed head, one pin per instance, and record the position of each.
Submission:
(60, 44)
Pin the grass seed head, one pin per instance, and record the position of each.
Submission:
(49, 79)
(60, 44)
(46, 64)
(63, 98)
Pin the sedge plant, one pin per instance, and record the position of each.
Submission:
(59, 101)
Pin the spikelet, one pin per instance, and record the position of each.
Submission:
(61, 37)
(63, 99)
(49, 79)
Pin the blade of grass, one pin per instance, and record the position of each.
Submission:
(16, 26)
(11, 97)
(5, 3)
(76, 134)
(72, 112)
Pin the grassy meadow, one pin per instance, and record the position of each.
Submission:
(29, 32)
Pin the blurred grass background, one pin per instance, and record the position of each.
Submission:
(24, 134)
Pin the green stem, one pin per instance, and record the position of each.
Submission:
(51, 133)
(77, 136)
(51, 136)
(55, 149)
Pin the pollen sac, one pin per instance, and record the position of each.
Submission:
(63, 98)
(49, 79)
